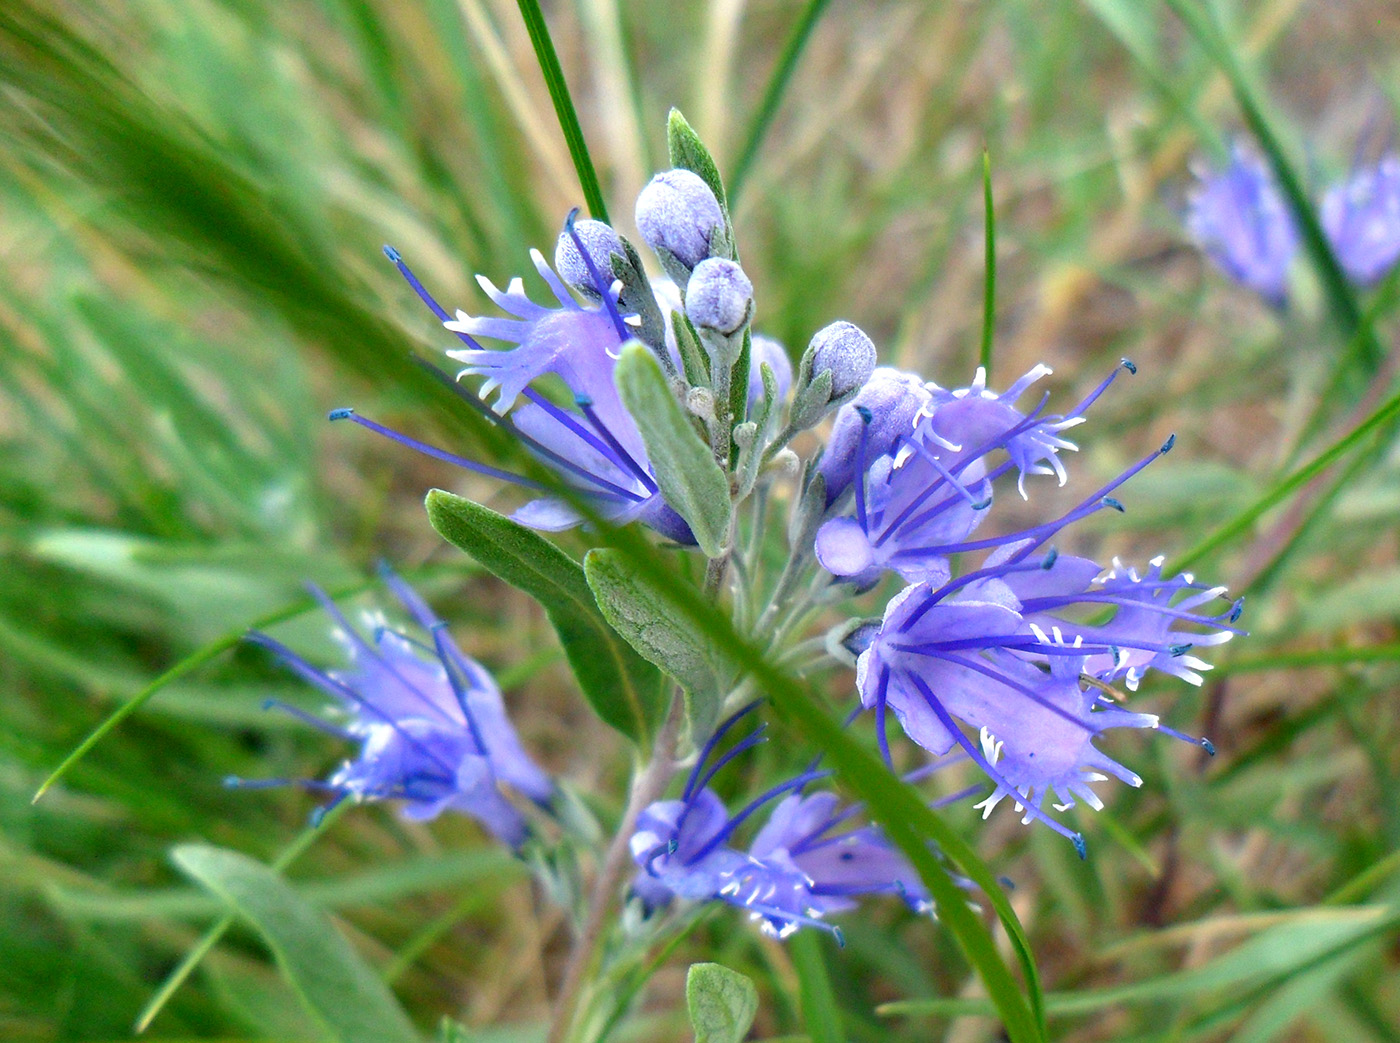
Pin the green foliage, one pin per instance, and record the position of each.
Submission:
(690, 479)
(645, 615)
(722, 1003)
(622, 688)
(347, 998)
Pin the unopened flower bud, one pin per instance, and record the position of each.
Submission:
(602, 243)
(678, 215)
(845, 350)
(719, 296)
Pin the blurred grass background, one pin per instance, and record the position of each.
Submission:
(194, 195)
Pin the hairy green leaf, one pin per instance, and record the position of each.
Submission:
(722, 1003)
(690, 480)
(646, 616)
(623, 689)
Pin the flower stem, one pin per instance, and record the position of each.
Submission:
(648, 786)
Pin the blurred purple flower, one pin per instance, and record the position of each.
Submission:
(1361, 217)
(1240, 219)
(430, 721)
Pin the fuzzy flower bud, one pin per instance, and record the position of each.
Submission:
(719, 296)
(678, 215)
(845, 350)
(602, 243)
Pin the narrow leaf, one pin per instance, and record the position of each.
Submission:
(989, 289)
(623, 689)
(339, 990)
(690, 480)
(646, 616)
(688, 152)
(563, 106)
(722, 1003)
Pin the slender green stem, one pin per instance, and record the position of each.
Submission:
(563, 106)
(773, 95)
(989, 291)
(649, 785)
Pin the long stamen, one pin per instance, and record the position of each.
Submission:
(604, 288)
(881, 707)
(714, 740)
(1201, 741)
(623, 456)
(727, 830)
(1093, 396)
(443, 644)
(427, 298)
(748, 742)
(433, 451)
(1031, 605)
(325, 682)
(301, 715)
(859, 483)
(338, 617)
(936, 597)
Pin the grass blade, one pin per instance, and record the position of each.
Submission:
(563, 107)
(773, 94)
(989, 289)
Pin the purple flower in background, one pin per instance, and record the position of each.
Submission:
(797, 870)
(1361, 217)
(1240, 219)
(430, 722)
(595, 448)
(920, 495)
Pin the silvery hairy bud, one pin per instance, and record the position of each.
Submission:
(680, 218)
(835, 366)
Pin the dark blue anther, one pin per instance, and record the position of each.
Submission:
(1079, 846)
(1208, 746)
(1051, 556)
(392, 254)
(1129, 366)
(1167, 445)
(1236, 611)
(865, 414)
(1109, 501)
(1179, 650)
(340, 414)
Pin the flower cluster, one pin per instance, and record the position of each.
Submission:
(997, 651)
(429, 720)
(1239, 216)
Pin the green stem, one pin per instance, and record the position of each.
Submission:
(650, 783)
(989, 291)
(563, 106)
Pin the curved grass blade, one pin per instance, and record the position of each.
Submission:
(184, 667)
(1388, 411)
(820, 1012)
(773, 93)
(563, 106)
